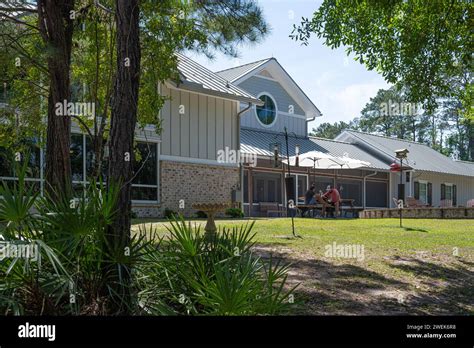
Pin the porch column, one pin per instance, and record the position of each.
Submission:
(250, 190)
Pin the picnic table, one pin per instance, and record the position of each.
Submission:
(346, 204)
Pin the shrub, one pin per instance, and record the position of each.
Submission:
(189, 274)
(234, 213)
(170, 214)
(201, 215)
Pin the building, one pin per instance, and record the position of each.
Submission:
(220, 131)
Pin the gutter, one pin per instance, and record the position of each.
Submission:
(310, 120)
(241, 171)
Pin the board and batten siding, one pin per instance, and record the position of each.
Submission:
(208, 124)
(464, 186)
(256, 85)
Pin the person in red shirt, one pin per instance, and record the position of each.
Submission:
(333, 198)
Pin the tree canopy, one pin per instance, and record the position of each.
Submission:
(424, 46)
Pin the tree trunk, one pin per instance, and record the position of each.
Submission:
(56, 27)
(122, 132)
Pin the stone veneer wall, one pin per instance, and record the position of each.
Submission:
(420, 213)
(195, 183)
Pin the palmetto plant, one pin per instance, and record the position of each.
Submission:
(193, 275)
(184, 274)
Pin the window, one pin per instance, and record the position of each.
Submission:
(350, 189)
(266, 113)
(301, 186)
(376, 194)
(266, 187)
(145, 182)
(448, 192)
(423, 192)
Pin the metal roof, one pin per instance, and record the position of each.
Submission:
(261, 143)
(196, 78)
(420, 157)
(234, 73)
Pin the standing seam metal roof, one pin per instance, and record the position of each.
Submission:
(420, 157)
(198, 78)
(261, 143)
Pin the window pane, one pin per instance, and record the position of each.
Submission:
(266, 187)
(302, 188)
(90, 161)
(376, 194)
(146, 175)
(423, 193)
(77, 153)
(267, 112)
(350, 189)
(144, 193)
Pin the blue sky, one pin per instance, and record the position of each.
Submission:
(337, 85)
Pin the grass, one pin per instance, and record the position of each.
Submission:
(426, 267)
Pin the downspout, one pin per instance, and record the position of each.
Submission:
(307, 121)
(241, 171)
(365, 186)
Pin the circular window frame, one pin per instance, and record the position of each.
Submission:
(276, 110)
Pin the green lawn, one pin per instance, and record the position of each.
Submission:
(427, 267)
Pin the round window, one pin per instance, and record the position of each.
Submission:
(266, 113)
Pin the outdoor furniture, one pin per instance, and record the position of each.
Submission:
(411, 202)
(272, 208)
(470, 203)
(306, 208)
(347, 204)
(446, 203)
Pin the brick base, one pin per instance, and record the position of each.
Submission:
(195, 183)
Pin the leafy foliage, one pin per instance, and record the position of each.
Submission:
(220, 276)
(425, 46)
(234, 212)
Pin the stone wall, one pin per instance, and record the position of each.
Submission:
(420, 213)
(195, 183)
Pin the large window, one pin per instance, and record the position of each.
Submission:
(266, 113)
(145, 168)
(376, 194)
(350, 189)
(267, 187)
(321, 182)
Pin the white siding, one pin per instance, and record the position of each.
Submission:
(207, 125)
(464, 186)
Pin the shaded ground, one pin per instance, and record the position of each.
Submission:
(427, 267)
(343, 288)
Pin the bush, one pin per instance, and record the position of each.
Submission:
(201, 215)
(191, 274)
(234, 213)
(187, 274)
(170, 214)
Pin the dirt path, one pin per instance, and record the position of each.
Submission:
(422, 284)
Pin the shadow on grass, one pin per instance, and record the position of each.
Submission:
(332, 288)
(451, 287)
(411, 229)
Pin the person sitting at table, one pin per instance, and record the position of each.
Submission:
(333, 198)
(309, 196)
